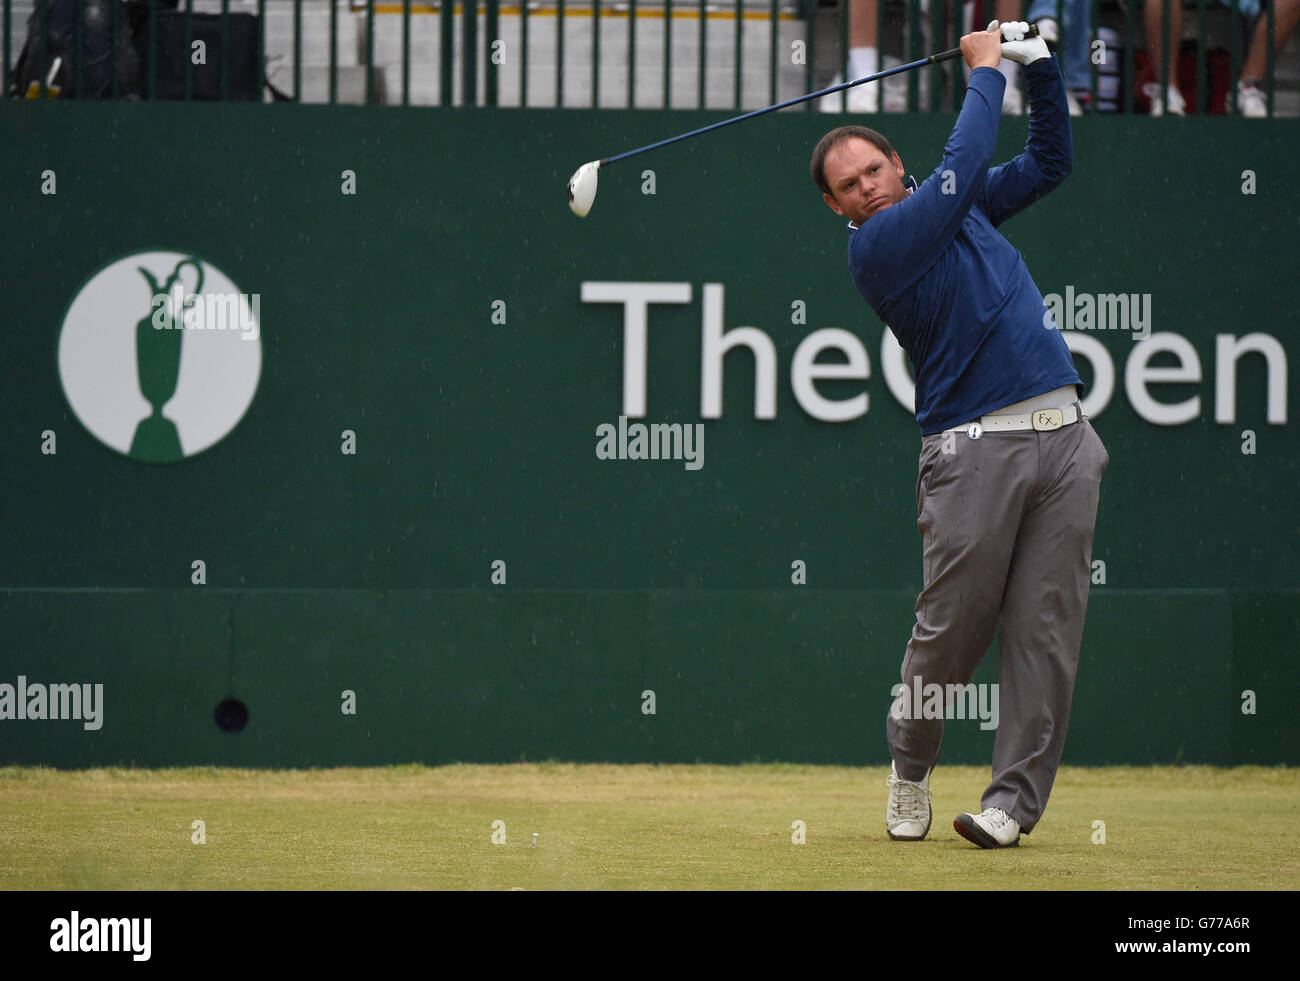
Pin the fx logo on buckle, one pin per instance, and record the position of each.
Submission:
(1046, 420)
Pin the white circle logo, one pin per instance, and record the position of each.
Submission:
(160, 355)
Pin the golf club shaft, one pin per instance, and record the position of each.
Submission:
(934, 59)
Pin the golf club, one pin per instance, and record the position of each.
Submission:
(582, 185)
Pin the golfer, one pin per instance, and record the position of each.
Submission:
(1010, 469)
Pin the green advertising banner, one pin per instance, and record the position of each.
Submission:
(339, 419)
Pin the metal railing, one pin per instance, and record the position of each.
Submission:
(686, 54)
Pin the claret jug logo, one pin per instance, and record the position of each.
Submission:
(160, 355)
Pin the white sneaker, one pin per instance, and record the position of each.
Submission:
(1177, 106)
(1155, 93)
(865, 98)
(991, 828)
(1251, 102)
(861, 98)
(832, 103)
(1012, 102)
(907, 818)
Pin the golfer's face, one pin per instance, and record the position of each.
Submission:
(863, 181)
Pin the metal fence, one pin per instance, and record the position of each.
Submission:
(649, 54)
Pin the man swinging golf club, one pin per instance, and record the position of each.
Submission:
(1010, 469)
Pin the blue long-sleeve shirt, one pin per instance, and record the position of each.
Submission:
(956, 294)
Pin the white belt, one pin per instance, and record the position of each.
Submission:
(1043, 420)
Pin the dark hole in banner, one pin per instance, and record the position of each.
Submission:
(231, 715)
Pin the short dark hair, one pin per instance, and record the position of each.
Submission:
(839, 135)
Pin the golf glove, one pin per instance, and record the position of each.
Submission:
(1017, 46)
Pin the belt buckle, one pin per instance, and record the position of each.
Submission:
(1045, 420)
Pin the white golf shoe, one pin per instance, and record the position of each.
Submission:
(907, 818)
(991, 828)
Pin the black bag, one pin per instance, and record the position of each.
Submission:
(173, 53)
(104, 25)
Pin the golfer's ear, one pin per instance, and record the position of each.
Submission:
(832, 204)
(898, 164)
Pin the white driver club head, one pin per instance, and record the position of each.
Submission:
(582, 188)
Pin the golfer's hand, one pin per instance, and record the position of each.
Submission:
(982, 49)
(1017, 45)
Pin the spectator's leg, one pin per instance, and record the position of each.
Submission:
(1152, 17)
(863, 49)
(1284, 22)
(864, 60)
(1252, 100)
(894, 92)
(1078, 32)
(1064, 37)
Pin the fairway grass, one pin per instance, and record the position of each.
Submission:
(632, 827)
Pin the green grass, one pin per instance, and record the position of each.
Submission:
(631, 827)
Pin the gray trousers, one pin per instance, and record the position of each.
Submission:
(1008, 522)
